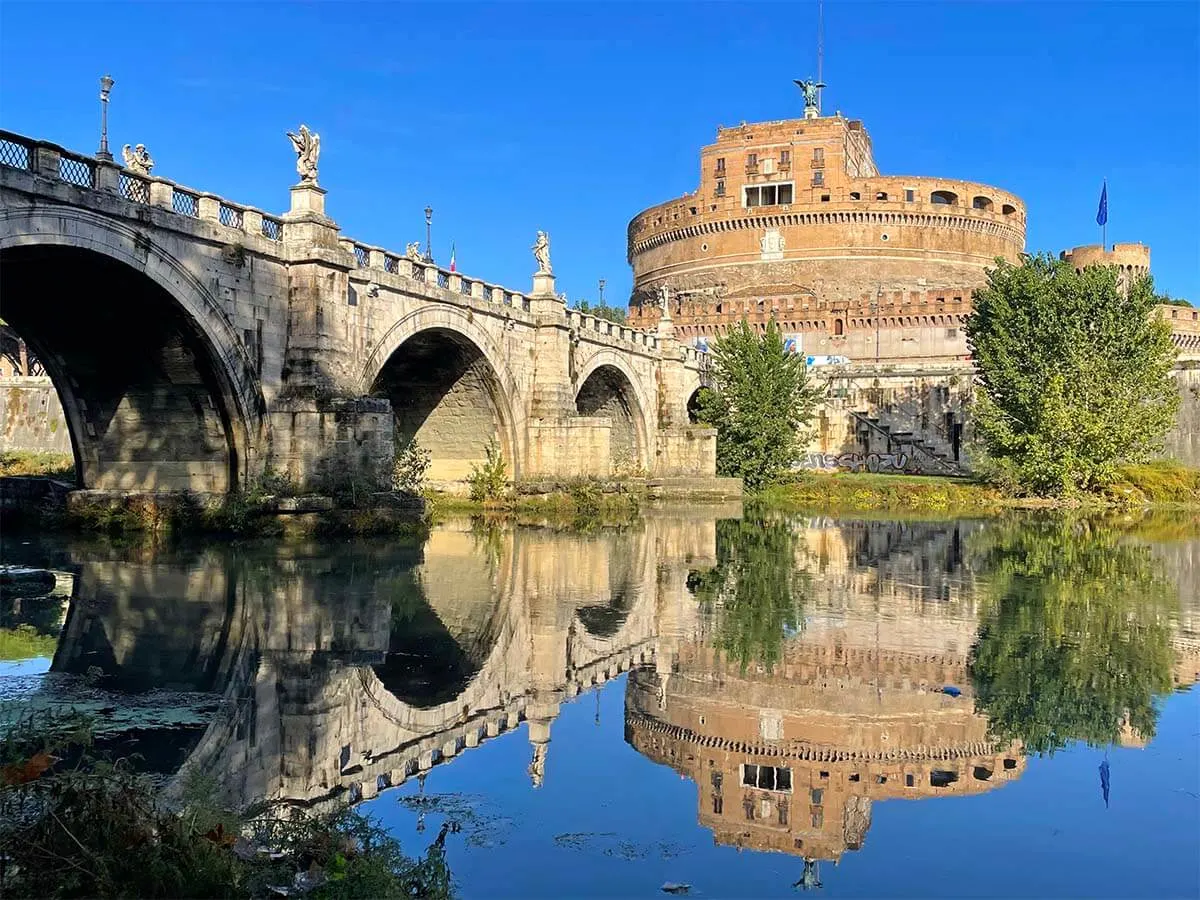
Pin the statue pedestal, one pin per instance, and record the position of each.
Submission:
(543, 285)
(307, 199)
(666, 328)
(811, 112)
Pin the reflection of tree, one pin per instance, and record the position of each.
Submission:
(754, 592)
(1075, 634)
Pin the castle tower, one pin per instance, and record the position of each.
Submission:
(1132, 260)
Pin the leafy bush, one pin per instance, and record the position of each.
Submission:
(27, 462)
(1075, 374)
(90, 828)
(489, 480)
(760, 407)
(409, 470)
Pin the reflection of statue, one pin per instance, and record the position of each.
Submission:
(541, 252)
(413, 251)
(308, 148)
(537, 766)
(137, 160)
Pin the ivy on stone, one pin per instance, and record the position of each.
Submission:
(1075, 375)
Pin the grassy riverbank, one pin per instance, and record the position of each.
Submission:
(28, 462)
(1165, 484)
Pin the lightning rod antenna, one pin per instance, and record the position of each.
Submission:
(820, 47)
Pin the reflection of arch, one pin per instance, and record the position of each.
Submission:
(471, 363)
(609, 387)
(56, 239)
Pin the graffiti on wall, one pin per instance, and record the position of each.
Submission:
(860, 462)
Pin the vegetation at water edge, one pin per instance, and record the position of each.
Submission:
(761, 404)
(1074, 376)
(30, 462)
(75, 825)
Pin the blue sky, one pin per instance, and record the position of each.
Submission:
(571, 117)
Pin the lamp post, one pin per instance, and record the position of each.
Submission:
(428, 232)
(602, 284)
(106, 84)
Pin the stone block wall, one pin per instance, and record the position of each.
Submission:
(684, 450)
(571, 446)
(31, 418)
(326, 446)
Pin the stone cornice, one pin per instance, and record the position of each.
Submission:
(832, 216)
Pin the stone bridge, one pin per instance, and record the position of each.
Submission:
(197, 343)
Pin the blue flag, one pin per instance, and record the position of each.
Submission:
(1102, 212)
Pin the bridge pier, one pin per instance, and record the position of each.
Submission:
(224, 343)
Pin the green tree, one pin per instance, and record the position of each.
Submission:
(755, 592)
(1075, 374)
(761, 404)
(1074, 640)
(603, 311)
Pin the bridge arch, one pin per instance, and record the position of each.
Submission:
(158, 391)
(451, 389)
(608, 386)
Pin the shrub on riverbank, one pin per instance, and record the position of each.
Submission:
(28, 462)
(1074, 375)
(761, 404)
(75, 826)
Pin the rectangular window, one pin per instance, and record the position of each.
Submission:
(783, 813)
(769, 194)
(909, 196)
(720, 164)
(818, 154)
(767, 778)
(751, 160)
(718, 804)
(720, 187)
(818, 177)
(785, 157)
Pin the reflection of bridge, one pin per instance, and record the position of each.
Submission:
(326, 698)
(195, 342)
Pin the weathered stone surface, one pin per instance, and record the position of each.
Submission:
(199, 349)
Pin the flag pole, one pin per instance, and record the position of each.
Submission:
(1104, 227)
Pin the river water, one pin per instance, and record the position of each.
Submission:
(749, 704)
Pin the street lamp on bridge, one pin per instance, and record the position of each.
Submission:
(106, 84)
(428, 232)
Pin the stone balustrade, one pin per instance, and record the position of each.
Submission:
(51, 161)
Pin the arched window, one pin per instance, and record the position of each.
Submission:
(1008, 209)
(881, 195)
(981, 203)
(855, 195)
(948, 198)
(839, 327)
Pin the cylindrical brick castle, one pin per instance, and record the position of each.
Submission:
(792, 220)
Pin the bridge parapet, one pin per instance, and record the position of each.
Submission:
(314, 354)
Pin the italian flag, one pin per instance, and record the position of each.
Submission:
(452, 269)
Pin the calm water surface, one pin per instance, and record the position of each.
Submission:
(752, 705)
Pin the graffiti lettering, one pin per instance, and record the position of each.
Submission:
(857, 462)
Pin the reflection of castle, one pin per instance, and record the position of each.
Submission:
(791, 759)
